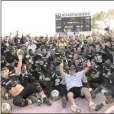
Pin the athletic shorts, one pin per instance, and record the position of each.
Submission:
(62, 89)
(76, 91)
(21, 99)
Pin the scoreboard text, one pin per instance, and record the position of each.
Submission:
(73, 23)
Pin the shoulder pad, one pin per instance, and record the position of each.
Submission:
(12, 75)
(53, 75)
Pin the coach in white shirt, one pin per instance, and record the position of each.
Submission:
(75, 87)
(31, 45)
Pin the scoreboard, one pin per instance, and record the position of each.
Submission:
(73, 22)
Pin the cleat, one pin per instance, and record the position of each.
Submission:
(46, 101)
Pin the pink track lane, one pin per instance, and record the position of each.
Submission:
(57, 107)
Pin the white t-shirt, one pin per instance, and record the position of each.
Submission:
(33, 47)
(75, 80)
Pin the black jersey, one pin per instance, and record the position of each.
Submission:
(10, 82)
(99, 57)
(26, 78)
(108, 69)
(57, 79)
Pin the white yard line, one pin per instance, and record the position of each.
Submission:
(110, 110)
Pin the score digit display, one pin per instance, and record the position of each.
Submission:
(73, 23)
(58, 22)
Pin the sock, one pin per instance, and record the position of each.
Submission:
(75, 108)
(99, 106)
(43, 96)
(103, 91)
(90, 89)
(63, 97)
(74, 105)
(104, 103)
(90, 103)
(29, 101)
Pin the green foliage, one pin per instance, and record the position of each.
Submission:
(102, 17)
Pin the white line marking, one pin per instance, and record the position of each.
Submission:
(110, 110)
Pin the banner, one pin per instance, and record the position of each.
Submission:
(75, 14)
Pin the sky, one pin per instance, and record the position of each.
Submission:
(38, 17)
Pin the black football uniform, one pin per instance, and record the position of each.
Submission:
(12, 81)
(59, 84)
(26, 78)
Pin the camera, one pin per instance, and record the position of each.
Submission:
(30, 59)
(39, 44)
(37, 66)
(94, 70)
(107, 70)
(81, 59)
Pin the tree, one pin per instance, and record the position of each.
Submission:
(110, 14)
(102, 17)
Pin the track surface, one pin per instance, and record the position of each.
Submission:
(57, 108)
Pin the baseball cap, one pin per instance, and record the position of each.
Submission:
(72, 67)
